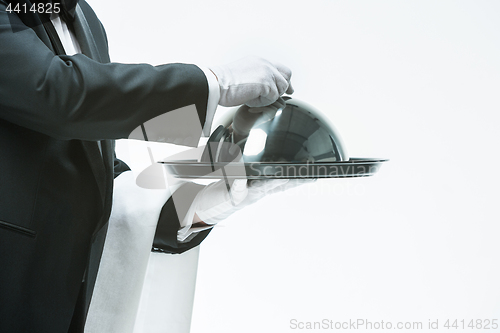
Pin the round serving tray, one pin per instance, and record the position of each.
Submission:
(355, 167)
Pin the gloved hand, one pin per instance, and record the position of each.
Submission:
(246, 118)
(252, 81)
(215, 203)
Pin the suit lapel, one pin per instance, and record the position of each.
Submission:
(84, 35)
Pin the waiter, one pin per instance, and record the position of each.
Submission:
(61, 104)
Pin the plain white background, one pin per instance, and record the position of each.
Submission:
(414, 81)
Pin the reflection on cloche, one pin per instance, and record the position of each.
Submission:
(286, 131)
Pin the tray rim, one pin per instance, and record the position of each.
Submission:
(353, 160)
(374, 164)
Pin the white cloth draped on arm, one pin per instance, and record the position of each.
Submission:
(125, 257)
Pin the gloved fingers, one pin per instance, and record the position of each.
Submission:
(284, 70)
(279, 104)
(216, 199)
(287, 74)
(238, 190)
(253, 81)
(267, 112)
(272, 108)
(228, 190)
(247, 118)
(275, 84)
(214, 202)
(282, 83)
(268, 94)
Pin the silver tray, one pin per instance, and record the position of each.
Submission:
(355, 167)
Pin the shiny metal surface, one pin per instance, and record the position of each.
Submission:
(355, 167)
(287, 131)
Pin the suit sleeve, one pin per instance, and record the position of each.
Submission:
(75, 97)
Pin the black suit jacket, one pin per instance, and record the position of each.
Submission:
(55, 187)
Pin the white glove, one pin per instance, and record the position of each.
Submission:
(215, 203)
(246, 118)
(252, 81)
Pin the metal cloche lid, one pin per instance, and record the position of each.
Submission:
(288, 139)
(287, 131)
